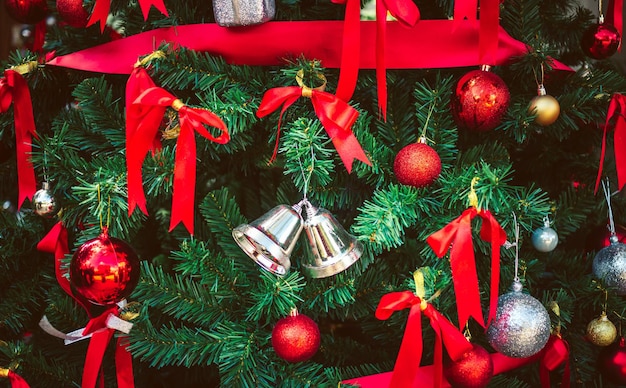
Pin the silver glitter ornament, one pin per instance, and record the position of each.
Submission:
(609, 265)
(44, 203)
(545, 239)
(233, 13)
(521, 327)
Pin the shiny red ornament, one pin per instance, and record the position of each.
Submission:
(612, 362)
(417, 165)
(73, 13)
(296, 338)
(600, 41)
(480, 100)
(104, 270)
(26, 11)
(473, 370)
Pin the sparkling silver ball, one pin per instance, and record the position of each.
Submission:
(545, 239)
(609, 266)
(44, 203)
(521, 327)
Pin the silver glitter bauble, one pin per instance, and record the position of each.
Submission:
(44, 203)
(521, 327)
(233, 13)
(609, 265)
(545, 239)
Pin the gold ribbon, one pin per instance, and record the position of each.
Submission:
(154, 55)
(4, 372)
(306, 90)
(25, 67)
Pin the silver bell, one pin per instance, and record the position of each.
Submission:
(271, 238)
(332, 248)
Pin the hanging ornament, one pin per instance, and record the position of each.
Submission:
(545, 239)
(600, 237)
(600, 40)
(26, 11)
(480, 100)
(417, 164)
(545, 107)
(612, 362)
(601, 331)
(104, 270)
(44, 203)
(295, 338)
(73, 13)
(473, 370)
(234, 13)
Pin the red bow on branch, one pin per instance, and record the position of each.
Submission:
(16, 380)
(145, 114)
(457, 237)
(13, 88)
(101, 10)
(410, 354)
(336, 116)
(555, 354)
(615, 119)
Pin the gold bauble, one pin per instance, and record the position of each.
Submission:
(601, 331)
(546, 108)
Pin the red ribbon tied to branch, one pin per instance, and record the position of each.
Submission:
(457, 237)
(336, 116)
(410, 354)
(16, 380)
(555, 354)
(146, 112)
(13, 88)
(615, 119)
(102, 7)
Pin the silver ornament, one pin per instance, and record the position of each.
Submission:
(44, 203)
(233, 13)
(545, 239)
(609, 265)
(521, 327)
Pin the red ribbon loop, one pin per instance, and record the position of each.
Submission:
(336, 116)
(615, 119)
(101, 11)
(16, 380)
(615, 16)
(13, 88)
(146, 113)
(555, 354)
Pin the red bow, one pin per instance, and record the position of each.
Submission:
(458, 234)
(146, 113)
(555, 353)
(617, 111)
(410, 354)
(16, 380)
(13, 88)
(336, 116)
(101, 10)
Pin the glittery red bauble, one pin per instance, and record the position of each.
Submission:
(600, 41)
(473, 370)
(104, 270)
(480, 100)
(26, 11)
(296, 338)
(612, 362)
(73, 13)
(417, 165)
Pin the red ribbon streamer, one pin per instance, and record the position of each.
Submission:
(616, 112)
(489, 24)
(336, 116)
(16, 380)
(102, 7)
(13, 88)
(457, 237)
(555, 354)
(615, 16)
(410, 354)
(148, 109)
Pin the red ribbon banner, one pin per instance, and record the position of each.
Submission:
(406, 367)
(615, 119)
(13, 88)
(615, 16)
(146, 113)
(336, 117)
(102, 7)
(457, 237)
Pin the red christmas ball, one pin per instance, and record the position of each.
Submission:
(295, 338)
(480, 100)
(26, 11)
(612, 362)
(600, 41)
(473, 370)
(104, 270)
(73, 13)
(417, 165)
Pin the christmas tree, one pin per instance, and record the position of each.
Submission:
(348, 176)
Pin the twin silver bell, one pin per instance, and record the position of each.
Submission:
(271, 239)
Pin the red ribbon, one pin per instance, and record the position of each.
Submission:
(147, 110)
(555, 353)
(13, 88)
(101, 11)
(615, 15)
(489, 23)
(457, 237)
(410, 354)
(617, 112)
(39, 36)
(335, 114)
